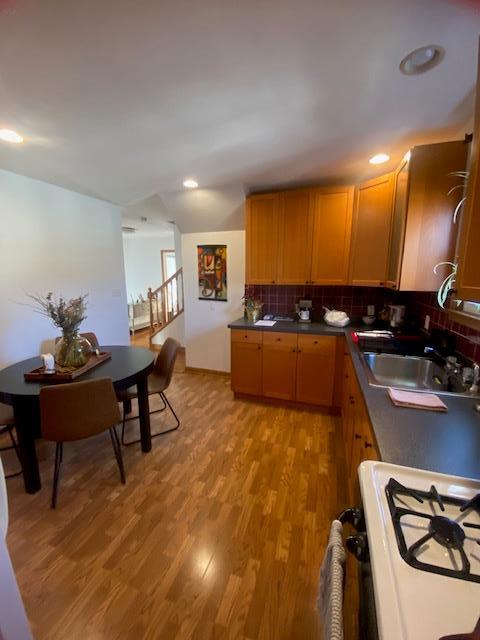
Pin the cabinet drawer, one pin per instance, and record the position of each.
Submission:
(324, 345)
(280, 339)
(246, 336)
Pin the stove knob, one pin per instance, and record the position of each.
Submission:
(353, 516)
(358, 545)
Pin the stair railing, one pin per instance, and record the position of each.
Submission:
(166, 302)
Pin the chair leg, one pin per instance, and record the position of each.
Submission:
(56, 472)
(166, 404)
(117, 449)
(128, 444)
(165, 400)
(15, 447)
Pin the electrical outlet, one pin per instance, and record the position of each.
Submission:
(426, 324)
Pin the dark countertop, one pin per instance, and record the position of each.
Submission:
(443, 442)
(313, 328)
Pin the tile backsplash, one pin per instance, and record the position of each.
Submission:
(422, 304)
(281, 299)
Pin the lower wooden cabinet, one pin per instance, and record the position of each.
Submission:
(279, 365)
(356, 428)
(246, 356)
(316, 369)
(286, 366)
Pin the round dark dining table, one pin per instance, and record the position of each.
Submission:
(128, 366)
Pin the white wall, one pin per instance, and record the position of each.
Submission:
(207, 338)
(56, 240)
(143, 262)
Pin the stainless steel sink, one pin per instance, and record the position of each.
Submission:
(407, 372)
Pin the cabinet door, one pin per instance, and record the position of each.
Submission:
(397, 234)
(371, 232)
(430, 235)
(316, 369)
(295, 237)
(332, 226)
(246, 367)
(262, 215)
(279, 365)
(468, 279)
(370, 451)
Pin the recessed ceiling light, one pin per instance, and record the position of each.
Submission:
(190, 183)
(379, 158)
(7, 135)
(422, 59)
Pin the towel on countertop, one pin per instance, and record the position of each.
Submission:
(416, 400)
(330, 596)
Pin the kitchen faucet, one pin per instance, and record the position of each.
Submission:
(476, 379)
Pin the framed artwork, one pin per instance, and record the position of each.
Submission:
(212, 272)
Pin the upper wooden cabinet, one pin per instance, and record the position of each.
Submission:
(299, 237)
(468, 278)
(332, 227)
(371, 231)
(262, 220)
(295, 237)
(422, 232)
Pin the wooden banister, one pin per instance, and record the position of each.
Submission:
(166, 302)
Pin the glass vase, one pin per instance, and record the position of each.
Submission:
(72, 350)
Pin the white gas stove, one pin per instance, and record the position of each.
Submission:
(423, 531)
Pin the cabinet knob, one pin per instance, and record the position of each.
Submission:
(293, 350)
(246, 337)
(279, 339)
(315, 342)
(358, 437)
(382, 284)
(352, 401)
(299, 351)
(259, 346)
(273, 281)
(368, 445)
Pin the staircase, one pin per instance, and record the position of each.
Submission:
(166, 303)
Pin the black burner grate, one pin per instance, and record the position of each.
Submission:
(442, 530)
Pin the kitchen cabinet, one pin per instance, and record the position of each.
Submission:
(246, 362)
(286, 366)
(315, 369)
(262, 220)
(295, 237)
(371, 231)
(422, 230)
(468, 277)
(300, 236)
(279, 365)
(332, 227)
(359, 440)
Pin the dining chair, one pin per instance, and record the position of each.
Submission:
(89, 335)
(78, 410)
(7, 424)
(158, 382)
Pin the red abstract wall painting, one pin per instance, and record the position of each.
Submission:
(212, 272)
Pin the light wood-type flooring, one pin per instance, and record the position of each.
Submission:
(218, 533)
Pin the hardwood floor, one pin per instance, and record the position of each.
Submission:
(218, 533)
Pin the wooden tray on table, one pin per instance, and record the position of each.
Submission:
(66, 374)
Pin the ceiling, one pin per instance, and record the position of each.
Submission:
(122, 99)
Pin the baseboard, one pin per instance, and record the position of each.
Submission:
(290, 404)
(211, 371)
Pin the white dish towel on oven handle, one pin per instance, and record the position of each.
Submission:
(330, 596)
